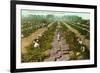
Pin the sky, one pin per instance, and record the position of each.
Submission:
(57, 13)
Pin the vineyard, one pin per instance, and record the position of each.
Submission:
(52, 38)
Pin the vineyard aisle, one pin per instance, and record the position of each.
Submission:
(85, 41)
(59, 51)
(28, 40)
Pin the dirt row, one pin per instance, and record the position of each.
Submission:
(60, 49)
(85, 41)
(28, 40)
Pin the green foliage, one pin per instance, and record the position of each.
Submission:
(31, 23)
(83, 32)
(71, 18)
(82, 25)
(38, 54)
(71, 39)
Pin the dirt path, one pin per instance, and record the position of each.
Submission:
(28, 40)
(85, 41)
(59, 51)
